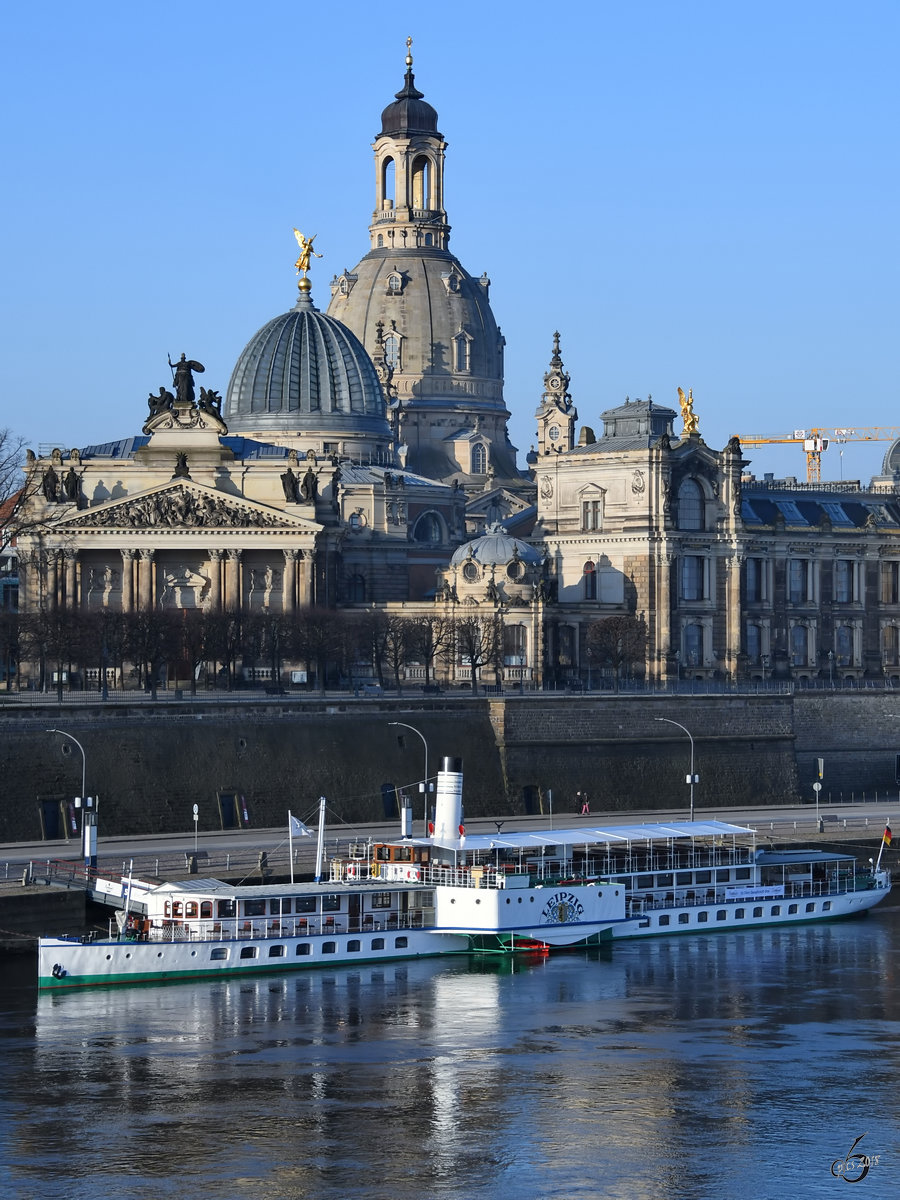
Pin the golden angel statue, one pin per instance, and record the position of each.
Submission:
(306, 252)
(687, 412)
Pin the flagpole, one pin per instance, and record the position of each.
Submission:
(884, 837)
(291, 842)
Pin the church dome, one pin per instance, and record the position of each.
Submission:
(496, 548)
(305, 372)
(410, 112)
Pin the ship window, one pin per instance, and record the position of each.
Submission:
(304, 948)
(254, 908)
(792, 908)
(664, 919)
(702, 917)
(757, 912)
(381, 900)
(704, 876)
(826, 906)
(664, 880)
(219, 952)
(224, 908)
(276, 951)
(775, 910)
(206, 909)
(721, 914)
(401, 943)
(684, 918)
(249, 952)
(176, 908)
(353, 944)
(811, 907)
(739, 914)
(331, 904)
(742, 873)
(722, 876)
(377, 943)
(684, 877)
(190, 909)
(275, 908)
(329, 947)
(305, 904)
(644, 881)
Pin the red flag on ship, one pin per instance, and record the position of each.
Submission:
(887, 835)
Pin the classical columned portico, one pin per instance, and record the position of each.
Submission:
(128, 557)
(215, 580)
(233, 580)
(147, 572)
(289, 584)
(70, 559)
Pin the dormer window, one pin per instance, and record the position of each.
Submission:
(479, 459)
(462, 352)
(392, 351)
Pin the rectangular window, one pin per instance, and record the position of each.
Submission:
(249, 952)
(254, 908)
(742, 873)
(704, 876)
(739, 914)
(225, 908)
(684, 877)
(811, 907)
(890, 583)
(353, 945)
(303, 948)
(722, 876)
(754, 644)
(401, 943)
(721, 914)
(305, 904)
(757, 912)
(844, 580)
(329, 947)
(792, 908)
(798, 581)
(702, 917)
(664, 919)
(381, 900)
(775, 910)
(591, 515)
(377, 943)
(684, 918)
(276, 951)
(664, 880)
(331, 904)
(826, 906)
(644, 881)
(692, 572)
(754, 573)
(219, 952)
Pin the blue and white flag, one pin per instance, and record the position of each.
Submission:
(297, 828)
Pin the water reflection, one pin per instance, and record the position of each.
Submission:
(671, 1068)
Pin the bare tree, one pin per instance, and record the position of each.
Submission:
(477, 641)
(618, 642)
(433, 635)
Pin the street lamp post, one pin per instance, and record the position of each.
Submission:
(421, 737)
(692, 778)
(88, 808)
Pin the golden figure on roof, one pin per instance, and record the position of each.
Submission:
(687, 412)
(306, 252)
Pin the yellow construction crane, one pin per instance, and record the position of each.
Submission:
(816, 441)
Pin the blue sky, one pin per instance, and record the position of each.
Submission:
(695, 194)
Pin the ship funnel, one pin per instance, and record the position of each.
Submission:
(448, 812)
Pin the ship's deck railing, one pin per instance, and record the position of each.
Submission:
(702, 896)
(274, 928)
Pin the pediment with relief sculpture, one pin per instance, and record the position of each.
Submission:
(186, 506)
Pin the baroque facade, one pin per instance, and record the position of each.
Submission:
(360, 459)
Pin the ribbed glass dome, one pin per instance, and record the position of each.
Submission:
(306, 371)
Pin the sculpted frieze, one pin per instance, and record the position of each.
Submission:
(178, 508)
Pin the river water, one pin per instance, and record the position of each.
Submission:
(731, 1065)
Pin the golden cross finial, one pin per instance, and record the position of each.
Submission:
(409, 53)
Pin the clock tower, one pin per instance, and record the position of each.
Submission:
(557, 414)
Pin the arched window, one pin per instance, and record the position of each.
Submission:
(421, 183)
(690, 505)
(590, 580)
(388, 183)
(479, 459)
(461, 352)
(395, 283)
(844, 643)
(428, 528)
(380, 240)
(356, 589)
(693, 645)
(429, 239)
(392, 351)
(800, 645)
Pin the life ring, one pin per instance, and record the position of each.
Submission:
(413, 873)
(352, 871)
